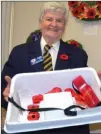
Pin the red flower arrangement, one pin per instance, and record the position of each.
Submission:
(86, 10)
(75, 43)
(64, 57)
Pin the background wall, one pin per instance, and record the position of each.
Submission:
(19, 19)
(6, 13)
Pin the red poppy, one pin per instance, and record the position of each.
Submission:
(64, 57)
(99, 8)
(74, 43)
(70, 90)
(72, 3)
(85, 10)
(37, 98)
(98, 3)
(91, 13)
(33, 116)
(82, 7)
(76, 12)
(55, 90)
(32, 107)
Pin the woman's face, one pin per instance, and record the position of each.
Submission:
(52, 25)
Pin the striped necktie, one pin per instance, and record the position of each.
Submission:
(47, 59)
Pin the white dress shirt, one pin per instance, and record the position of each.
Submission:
(53, 51)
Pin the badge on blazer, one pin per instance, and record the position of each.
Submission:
(36, 60)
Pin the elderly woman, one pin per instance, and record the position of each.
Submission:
(52, 22)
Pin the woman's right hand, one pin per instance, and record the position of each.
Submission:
(7, 89)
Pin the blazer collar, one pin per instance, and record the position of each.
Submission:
(34, 51)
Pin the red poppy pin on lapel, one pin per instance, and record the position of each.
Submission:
(64, 57)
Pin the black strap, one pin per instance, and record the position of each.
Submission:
(31, 110)
(67, 111)
(15, 104)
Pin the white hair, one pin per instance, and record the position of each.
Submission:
(54, 6)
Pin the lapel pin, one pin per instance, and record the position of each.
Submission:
(64, 57)
(36, 60)
(32, 61)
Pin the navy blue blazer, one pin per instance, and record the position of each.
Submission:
(19, 62)
(21, 55)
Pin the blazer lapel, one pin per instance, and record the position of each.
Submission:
(62, 63)
(34, 51)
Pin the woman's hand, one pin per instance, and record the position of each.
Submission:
(7, 89)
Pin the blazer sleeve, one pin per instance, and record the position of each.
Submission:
(81, 58)
(84, 59)
(10, 70)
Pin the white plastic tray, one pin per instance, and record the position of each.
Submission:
(24, 86)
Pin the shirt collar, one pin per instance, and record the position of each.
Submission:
(55, 45)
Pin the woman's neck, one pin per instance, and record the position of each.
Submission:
(50, 41)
